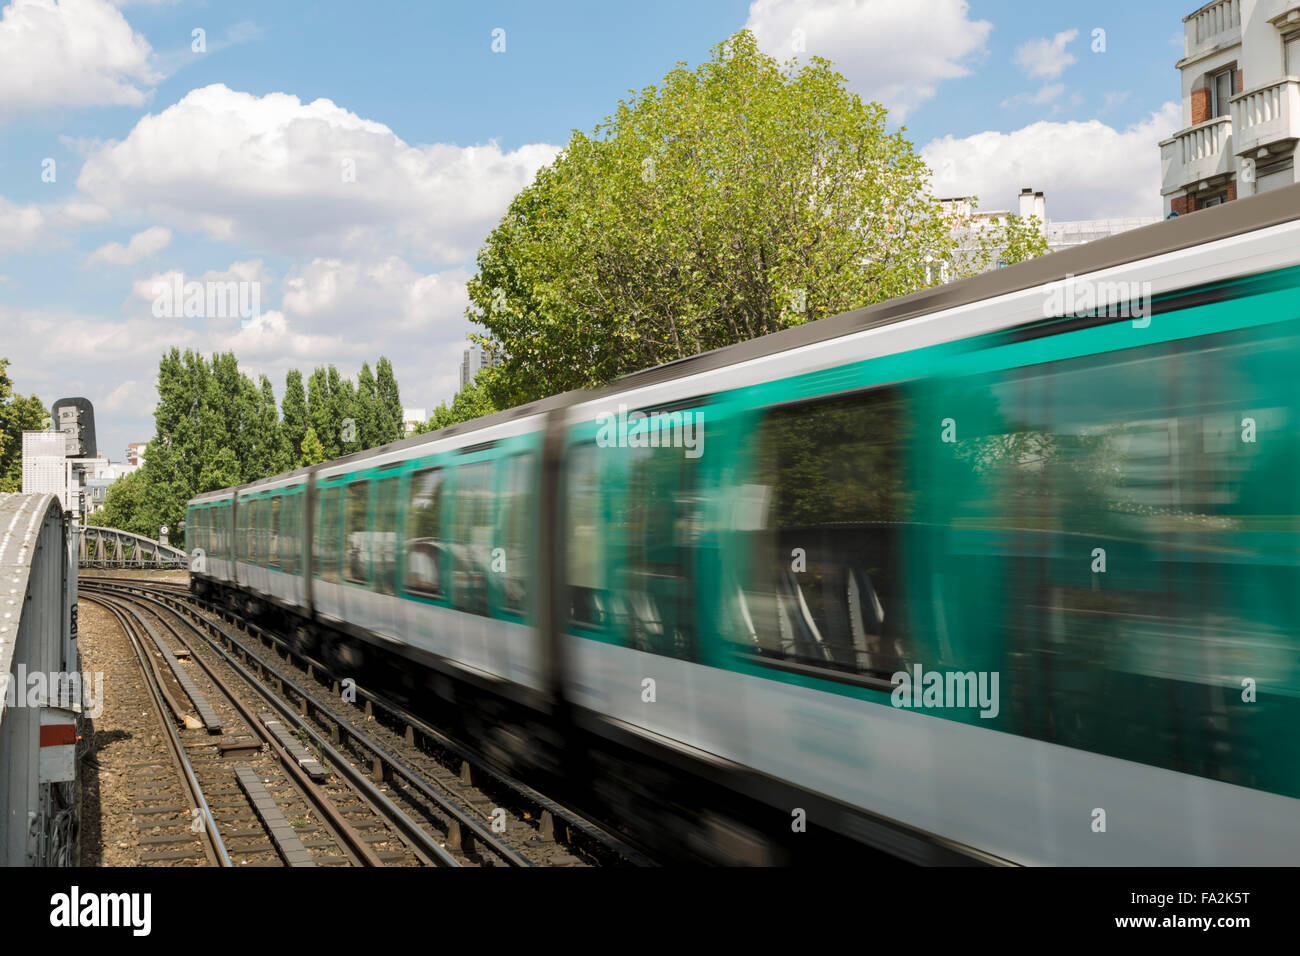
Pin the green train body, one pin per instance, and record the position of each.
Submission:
(1088, 526)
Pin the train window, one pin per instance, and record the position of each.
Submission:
(584, 553)
(424, 547)
(473, 538)
(288, 528)
(385, 534)
(273, 532)
(356, 566)
(254, 531)
(660, 527)
(826, 580)
(515, 522)
(327, 535)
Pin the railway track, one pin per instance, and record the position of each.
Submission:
(481, 816)
(243, 789)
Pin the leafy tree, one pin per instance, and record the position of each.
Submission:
(313, 452)
(472, 401)
(390, 398)
(319, 412)
(18, 414)
(727, 202)
(366, 409)
(293, 411)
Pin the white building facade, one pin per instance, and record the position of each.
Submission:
(1241, 104)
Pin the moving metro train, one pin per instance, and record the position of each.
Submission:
(1003, 571)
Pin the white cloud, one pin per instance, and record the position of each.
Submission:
(1049, 92)
(892, 51)
(1043, 58)
(141, 246)
(1087, 169)
(33, 226)
(276, 171)
(70, 53)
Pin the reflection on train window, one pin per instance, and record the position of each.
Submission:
(327, 535)
(255, 531)
(656, 606)
(289, 533)
(516, 517)
(584, 553)
(385, 538)
(825, 581)
(424, 547)
(472, 541)
(356, 557)
(273, 533)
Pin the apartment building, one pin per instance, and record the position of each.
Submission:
(1241, 104)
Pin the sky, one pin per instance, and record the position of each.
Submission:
(346, 160)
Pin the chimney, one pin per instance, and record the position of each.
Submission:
(1026, 203)
(1040, 208)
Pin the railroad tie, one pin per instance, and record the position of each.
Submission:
(286, 839)
(306, 759)
(209, 716)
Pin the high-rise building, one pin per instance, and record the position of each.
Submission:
(1241, 104)
(474, 360)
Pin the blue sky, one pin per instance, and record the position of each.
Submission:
(223, 164)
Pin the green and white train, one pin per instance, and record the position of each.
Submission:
(1007, 570)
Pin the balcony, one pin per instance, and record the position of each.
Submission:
(1197, 153)
(1213, 27)
(1268, 116)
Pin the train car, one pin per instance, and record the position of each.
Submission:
(209, 533)
(1002, 571)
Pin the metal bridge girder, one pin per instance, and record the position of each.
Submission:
(114, 548)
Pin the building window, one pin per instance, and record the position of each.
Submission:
(1223, 86)
(1291, 48)
(1211, 201)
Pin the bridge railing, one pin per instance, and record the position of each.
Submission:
(113, 548)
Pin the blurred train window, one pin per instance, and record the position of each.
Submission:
(584, 553)
(255, 531)
(826, 580)
(273, 532)
(327, 535)
(424, 547)
(241, 530)
(356, 559)
(385, 539)
(289, 533)
(516, 518)
(473, 542)
(660, 528)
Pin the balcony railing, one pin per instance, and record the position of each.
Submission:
(1267, 115)
(1196, 153)
(1215, 24)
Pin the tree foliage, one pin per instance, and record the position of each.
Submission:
(727, 202)
(18, 413)
(216, 427)
(472, 401)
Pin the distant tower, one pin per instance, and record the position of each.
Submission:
(75, 417)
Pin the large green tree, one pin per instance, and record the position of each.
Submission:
(725, 203)
(392, 418)
(293, 411)
(18, 414)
